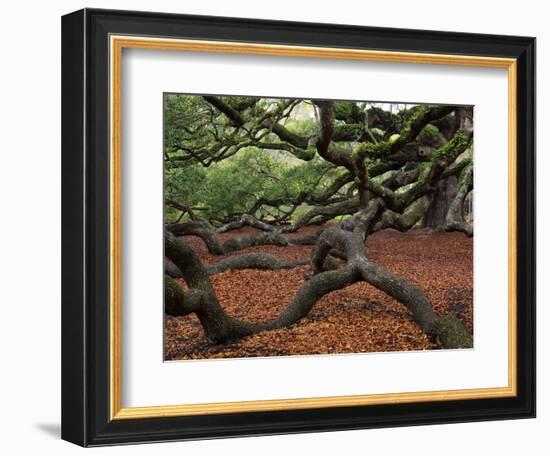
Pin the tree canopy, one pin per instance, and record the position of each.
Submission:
(307, 161)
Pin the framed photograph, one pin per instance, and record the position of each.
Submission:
(272, 227)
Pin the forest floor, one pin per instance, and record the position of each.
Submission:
(356, 319)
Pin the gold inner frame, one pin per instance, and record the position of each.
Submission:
(117, 44)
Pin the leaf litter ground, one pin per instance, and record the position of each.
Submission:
(357, 319)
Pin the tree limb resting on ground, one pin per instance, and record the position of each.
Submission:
(264, 261)
(219, 327)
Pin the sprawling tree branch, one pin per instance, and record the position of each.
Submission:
(209, 234)
(263, 261)
(220, 327)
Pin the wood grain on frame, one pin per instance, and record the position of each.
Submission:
(117, 44)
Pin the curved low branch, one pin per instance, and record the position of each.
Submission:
(245, 220)
(348, 206)
(252, 261)
(220, 327)
(246, 261)
(179, 302)
(272, 235)
(448, 329)
(200, 229)
(244, 242)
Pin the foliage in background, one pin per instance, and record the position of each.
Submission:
(226, 156)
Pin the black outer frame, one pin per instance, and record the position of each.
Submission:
(85, 227)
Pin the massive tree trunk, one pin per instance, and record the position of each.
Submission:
(441, 199)
(455, 220)
(219, 327)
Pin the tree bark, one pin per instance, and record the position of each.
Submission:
(209, 235)
(246, 261)
(448, 329)
(200, 229)
(454, 220)
(219, 327)
(441, 199)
